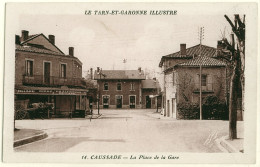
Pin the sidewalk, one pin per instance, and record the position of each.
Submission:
(25, 136)
(232, 146)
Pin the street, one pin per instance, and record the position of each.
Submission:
(138, 130)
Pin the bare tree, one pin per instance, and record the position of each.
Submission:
(237, 62)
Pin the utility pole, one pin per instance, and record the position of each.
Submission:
(99, 72)
(201, 37)
(124, 61)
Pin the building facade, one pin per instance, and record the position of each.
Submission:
(119, 88)
(150, 94)
(181, 72)
(43, 73)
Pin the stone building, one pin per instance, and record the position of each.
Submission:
(120, 88)
(43, 73)
(181, 72)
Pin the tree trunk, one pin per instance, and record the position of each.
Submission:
(233, 104)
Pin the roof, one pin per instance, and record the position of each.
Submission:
(36, 50)
(203, 61)
(31, 37)
(25, 46)
(120, 74)
(192, 51)
(150, 84)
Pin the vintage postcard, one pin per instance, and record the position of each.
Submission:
(130, 83)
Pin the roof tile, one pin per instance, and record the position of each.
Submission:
(195, 50)
(36, 50)
(204, 61)
(120, 74)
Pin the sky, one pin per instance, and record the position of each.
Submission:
(105, 41)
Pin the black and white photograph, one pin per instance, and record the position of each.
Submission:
(141, 82)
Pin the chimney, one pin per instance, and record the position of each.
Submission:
(25, 35)
(140, 70)
(17, 39)
(183, 49)
(52, 39)
(71, 51)
(91, 73)
(219, 45)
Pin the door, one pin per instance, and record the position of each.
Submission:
(47, 70)
(90, 102)
(105, 101)
(168, 108)
(118, 101)
(148, 102)
(132, 101)
(173, 106)
(78, 103)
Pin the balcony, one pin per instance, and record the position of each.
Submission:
(40, 80)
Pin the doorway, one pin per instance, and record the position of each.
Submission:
(132, 101)
(148, 102)
(105, 101)
(118, 101)
(168, 108)
(173, 106)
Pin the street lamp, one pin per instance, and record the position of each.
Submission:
(99, 72)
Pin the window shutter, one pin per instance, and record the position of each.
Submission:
(197, 81)
(65, 71)
(209, 82)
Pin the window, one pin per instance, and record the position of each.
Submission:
(63, 70)
(132, 86)
(105, 86)
(29, 68)
(203, 80)
(119, 86)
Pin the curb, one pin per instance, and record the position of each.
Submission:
(94, 117)
(225, 146)
(30, 139)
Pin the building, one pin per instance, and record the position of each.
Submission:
(150, 94)
(43, 73)
(181, 72)
(120, 88)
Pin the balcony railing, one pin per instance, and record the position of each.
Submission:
(53, 81)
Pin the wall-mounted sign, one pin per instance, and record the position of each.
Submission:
(50, 92)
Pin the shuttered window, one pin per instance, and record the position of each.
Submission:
(29, 68)
(63, 71)
(203, 80)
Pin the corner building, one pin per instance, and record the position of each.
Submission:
(43, 73)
